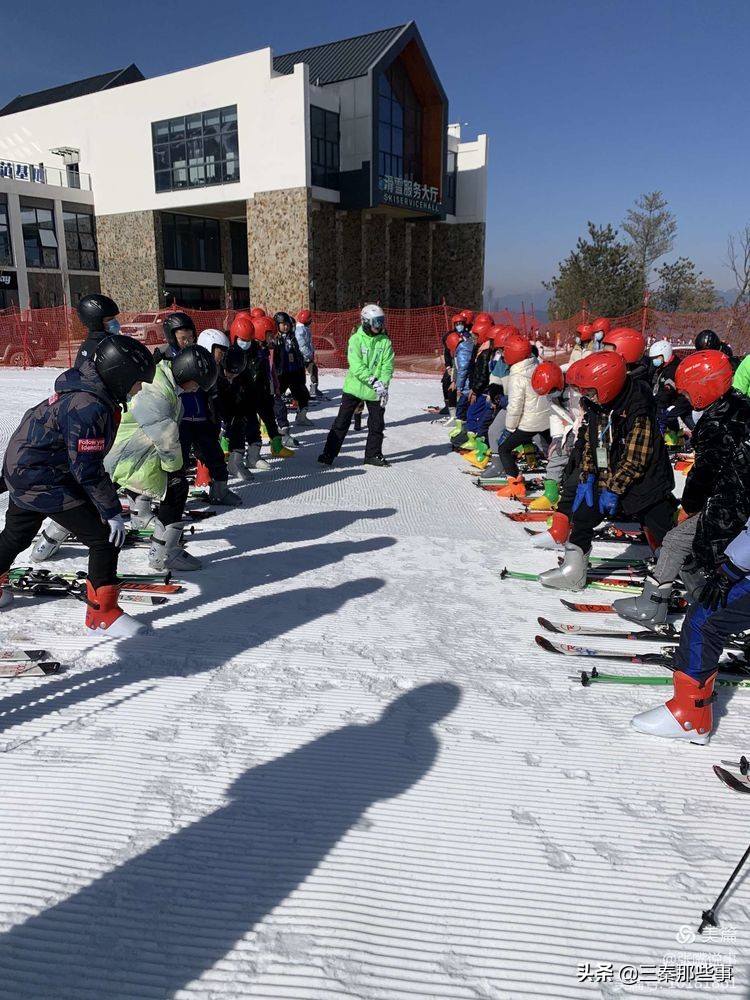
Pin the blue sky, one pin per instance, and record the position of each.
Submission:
(587, 104)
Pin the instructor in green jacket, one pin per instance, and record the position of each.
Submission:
(370, 356)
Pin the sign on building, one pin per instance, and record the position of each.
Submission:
(32, 172)
(413, 195)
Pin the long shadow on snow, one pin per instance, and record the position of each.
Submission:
(265, 534)
(243, 625)
(162, 919)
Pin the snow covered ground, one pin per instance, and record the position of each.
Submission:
(340, 768)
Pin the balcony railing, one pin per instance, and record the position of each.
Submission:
(38, 173)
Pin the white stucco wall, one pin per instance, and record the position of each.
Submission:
(112, 129)
(471, 182)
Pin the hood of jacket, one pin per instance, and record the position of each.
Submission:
(84, 379)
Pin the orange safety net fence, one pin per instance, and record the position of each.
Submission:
(51, 336)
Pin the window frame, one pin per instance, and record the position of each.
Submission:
(189, 244)
(5, 229)
(79, 236)
(32, 241)
(325, 148)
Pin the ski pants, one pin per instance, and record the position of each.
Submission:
(449, 395)
(203, 437)
(172, 505)
(462, 406)
(295, 383)
(495, 431)
(657, 520)
(375, 426)
(505, 450)
(558, 457)
(703, 632)
(83, 521)
(676, 548)
(312, 371)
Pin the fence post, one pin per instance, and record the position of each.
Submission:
(645, 313)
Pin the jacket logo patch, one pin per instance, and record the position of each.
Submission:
(90, 444)
(53, 398)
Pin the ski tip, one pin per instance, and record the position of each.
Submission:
(545, 623)
(543, 641)
(504, 573)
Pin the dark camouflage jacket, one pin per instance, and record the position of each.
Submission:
(55, 458)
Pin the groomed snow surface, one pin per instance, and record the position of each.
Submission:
(340, 768)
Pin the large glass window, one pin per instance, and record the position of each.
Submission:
(6, 249)
(80, 241)
(238, 232)
(196, 297)
(324, 147)
(39, 238)
(191, 243)
(399, 126)
(196, 150)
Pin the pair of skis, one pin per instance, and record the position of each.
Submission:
(24, 662)
(627, 585)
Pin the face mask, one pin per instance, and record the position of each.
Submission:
(657, 362)
(244, 345)
(578, 341)
(460, 328)
(112, 326)
(599, 336)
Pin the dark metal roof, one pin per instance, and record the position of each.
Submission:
(91, 85)
(342, 60)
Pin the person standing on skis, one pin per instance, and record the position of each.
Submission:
(54, 467)
(371, 361)
(289, 367)
(303, 333)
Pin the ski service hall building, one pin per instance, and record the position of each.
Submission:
(324, 178)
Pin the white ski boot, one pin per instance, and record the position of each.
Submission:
(236, 466)
(253, 459)
(105, 617)
(571, 573)
(302, 420)
(220, 494)
(287, 440)
(49, 542)
(650, 607)
(167, 553)
(686, 716)
(141, 512)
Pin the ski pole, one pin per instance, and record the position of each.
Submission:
(709, 916)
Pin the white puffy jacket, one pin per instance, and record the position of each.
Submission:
(526, 411)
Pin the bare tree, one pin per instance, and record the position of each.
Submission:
(738, 262)
(652, 229)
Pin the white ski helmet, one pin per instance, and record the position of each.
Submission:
(213, 338)
(661, 349)
(373, 319)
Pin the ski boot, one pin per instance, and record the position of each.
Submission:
(557, 534)
(325, 459)
(650, 607)
(236, 466)
(104, 616)
(141, 512)
(378, 461)
(166, 551)
(529, 455)
(279, 448)
(493, 471)
(450, 420)
(287, 440)
(550, 498)
(253, 459)
(221, 495)
(686, 716)
(202, 475)
(480, 456)
(49, 542)
(302, 420)
(515, 490)
(458, 435)
(571, 573)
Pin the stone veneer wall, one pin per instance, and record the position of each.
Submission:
(279, 228)
(348, 260)
(324, 258)
(458, 263)
(131, 259)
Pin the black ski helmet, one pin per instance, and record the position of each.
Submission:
(282, 317)
(707, 340)
(174, 322)
(121, 362)
(195, 364)
(235, 360)
(93, 308)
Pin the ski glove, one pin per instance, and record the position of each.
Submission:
(116, 531)
(608, 502)
(378, 386)
(585, 491)
(384, 398)
(503, 437)
(716, 589)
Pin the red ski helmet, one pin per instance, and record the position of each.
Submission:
(257, 313)
(516, 348)
(482, 331)
(264, 326)
(601, 325)
(585, 332)
(603, 371)
(241, 328)
(546, 378)
(704, 377)
(458, 318)
(304, 316)
(483, 318)
(627, 342)
(468, 315)
(452, 341)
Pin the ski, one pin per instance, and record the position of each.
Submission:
(528, 515)
(40, 668)
(586, 679)
(30, 575)
(70, 588)
(663, 659)
(611, 533)
(24, 655)
(492, 485)
(199, 514)
(676, 606)
(670, 634)
(735, 783)
(595, 582)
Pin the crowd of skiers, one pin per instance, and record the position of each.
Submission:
(127, 422)
(606, 422)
